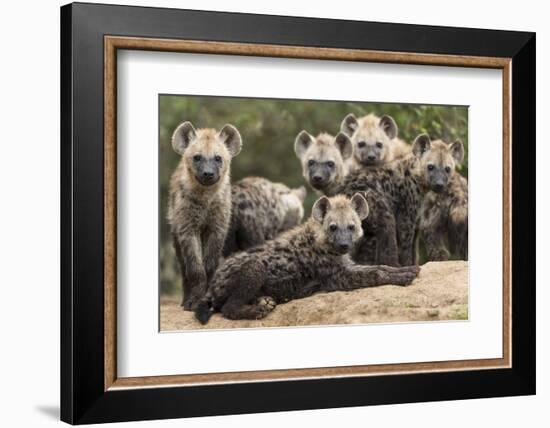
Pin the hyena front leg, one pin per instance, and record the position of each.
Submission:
(365, 251)
(434, 241)
(432, 229)
(458, 230)
(213, 243)
(381, 223)
(185, 285)
(388, 252)
(358, 276)
(245, 300)
(193, 272)
(406, 239)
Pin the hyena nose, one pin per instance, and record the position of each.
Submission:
(344, 247)
(317, 178)
(208, 174)
(438, 187)
(371, 157)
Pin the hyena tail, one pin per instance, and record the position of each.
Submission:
(204, 309)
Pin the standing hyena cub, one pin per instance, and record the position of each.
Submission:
(374, 140)
(310, 258)
(444, 220)
(199, 207)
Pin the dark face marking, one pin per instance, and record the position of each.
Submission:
(341, 236)
(207, 170)
(321, 174)
(438, 177)
(369, 153)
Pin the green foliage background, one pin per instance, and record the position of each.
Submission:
(268, 128)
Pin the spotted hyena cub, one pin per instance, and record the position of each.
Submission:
(199, 207)
(444, 219)
(261, 210)
(405, 183)
(374, 140)
(324, 165)
(324, 159)
(310, 258)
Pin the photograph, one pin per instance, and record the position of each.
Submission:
(291, 212)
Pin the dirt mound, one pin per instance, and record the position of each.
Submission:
(439, 293)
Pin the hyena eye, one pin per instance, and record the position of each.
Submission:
(361, 144)
(351, 227)
(379, 144)
(447, 169)
(330, 164)
(333, 227)
(218, 158)
(431, 167)
(311, 162)
(197, 158)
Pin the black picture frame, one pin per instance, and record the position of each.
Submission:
(83, 398)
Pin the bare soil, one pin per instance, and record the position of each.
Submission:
(439, 293)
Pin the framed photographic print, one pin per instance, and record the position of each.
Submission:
(267, 213)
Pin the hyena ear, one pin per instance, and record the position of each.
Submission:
(302, 142)
(232, 139)
(389, 126)
(300, 193)
(349, 125)
(457, 150)
(320, 208)
(421, 145)
(344, 145)
(182, 137)
(360, 205)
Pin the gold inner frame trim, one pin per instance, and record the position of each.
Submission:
(113, 43)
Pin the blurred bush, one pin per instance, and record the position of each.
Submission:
(268, 128)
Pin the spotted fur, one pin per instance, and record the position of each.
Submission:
(310, 258)
(405, 183)
(261, 210)
(444, 221)
(444, 218)
(324, 165)
(199, 207)
(374, 140)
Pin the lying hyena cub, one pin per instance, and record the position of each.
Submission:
(405, 183)
(199, 206)
(261, 210)
(307, 259)
(374, 140)
(324, 168)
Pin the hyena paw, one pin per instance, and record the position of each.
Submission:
(440, 255)
(407, 275)
(265, 305)
(186, 304)
(190, 303)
